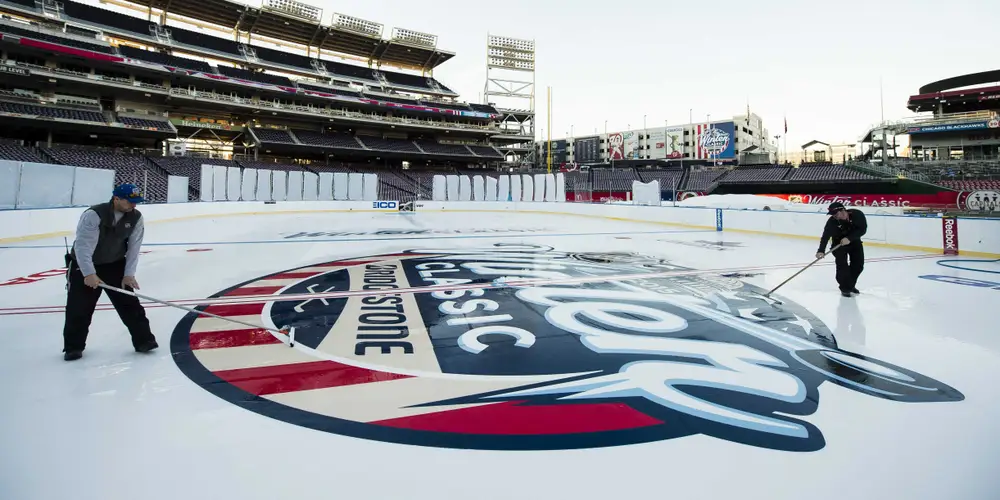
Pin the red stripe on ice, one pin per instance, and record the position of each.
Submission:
(302, 377)
(232, 338)
(235, 309)
(253, 290)
(516, 418)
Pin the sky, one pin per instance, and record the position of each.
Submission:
(818, 63)
(821, 65)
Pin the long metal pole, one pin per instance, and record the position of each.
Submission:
(188, 309)
(548, 113)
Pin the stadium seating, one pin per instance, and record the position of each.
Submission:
(484, 108)
(145, 123)
(165, 59)
(204, 41)
(755, 174)
(267, 135)
(703, 180)
(51, 112)
(11, 150)
(613, 179)
(827, 172)
(268, 165)
(435, 148)
(973, 185)
(95, 15)
(50, 37)
(335, 90)
(329, 168)
(190, 167)
(128, 167)
(350, 71)
(389, 145)
(458, 106)
(329, 140)
(254, 76)
(669, 179)
(485, 151)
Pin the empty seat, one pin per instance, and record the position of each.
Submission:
(128, 168)
(391, 145)
(254, 76)
(329, 140)
(52, 112)
(485, 151)
(144, 123)
(444, 149)
(190, 167)
(827, 172)
(273, 136)
(703, 180)
(17, 152)
(165, 59)
(755, 174)
(35, 34)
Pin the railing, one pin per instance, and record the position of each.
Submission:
(199, 94)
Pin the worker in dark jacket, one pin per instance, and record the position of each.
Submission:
(845, 227)
(106, 250)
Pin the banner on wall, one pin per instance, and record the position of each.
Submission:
(657, 144)
(715, 141)
(616, 146)
(954, 127)
(559, 153)
(985, 200)
(673, 139)
(941, 198)
(631, 149)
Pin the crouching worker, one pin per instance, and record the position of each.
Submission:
(106, 250)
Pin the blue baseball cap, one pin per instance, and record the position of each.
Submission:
(129, 192)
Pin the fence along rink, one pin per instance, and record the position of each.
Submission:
(513, 187)
(27, 185)
(222, 183)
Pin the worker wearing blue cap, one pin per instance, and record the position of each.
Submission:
(106, 250)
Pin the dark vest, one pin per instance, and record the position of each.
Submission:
(113, 241)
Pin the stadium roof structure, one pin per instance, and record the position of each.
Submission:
(940, 95)
(346, 34)
(961, 81)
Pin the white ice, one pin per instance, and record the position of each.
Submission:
(117, 425)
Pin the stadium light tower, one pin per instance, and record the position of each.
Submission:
(510, 87)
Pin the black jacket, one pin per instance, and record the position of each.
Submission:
(853, 229)
(112, 243)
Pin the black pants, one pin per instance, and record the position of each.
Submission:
(81, 301)
(850, 263)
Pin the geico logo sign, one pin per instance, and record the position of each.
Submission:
(949, 234)
(384, 204)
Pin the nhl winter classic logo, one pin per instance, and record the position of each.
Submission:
(581, 358)
(715, 141)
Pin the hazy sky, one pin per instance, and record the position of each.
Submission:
(818, 63)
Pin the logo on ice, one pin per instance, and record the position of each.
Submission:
(524, 347)
(714, 141)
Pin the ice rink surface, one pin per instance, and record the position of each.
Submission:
(642, 363)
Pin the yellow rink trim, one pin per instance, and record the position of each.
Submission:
(30, 237)
(56, 234)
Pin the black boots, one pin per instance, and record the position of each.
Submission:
(146, 346)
